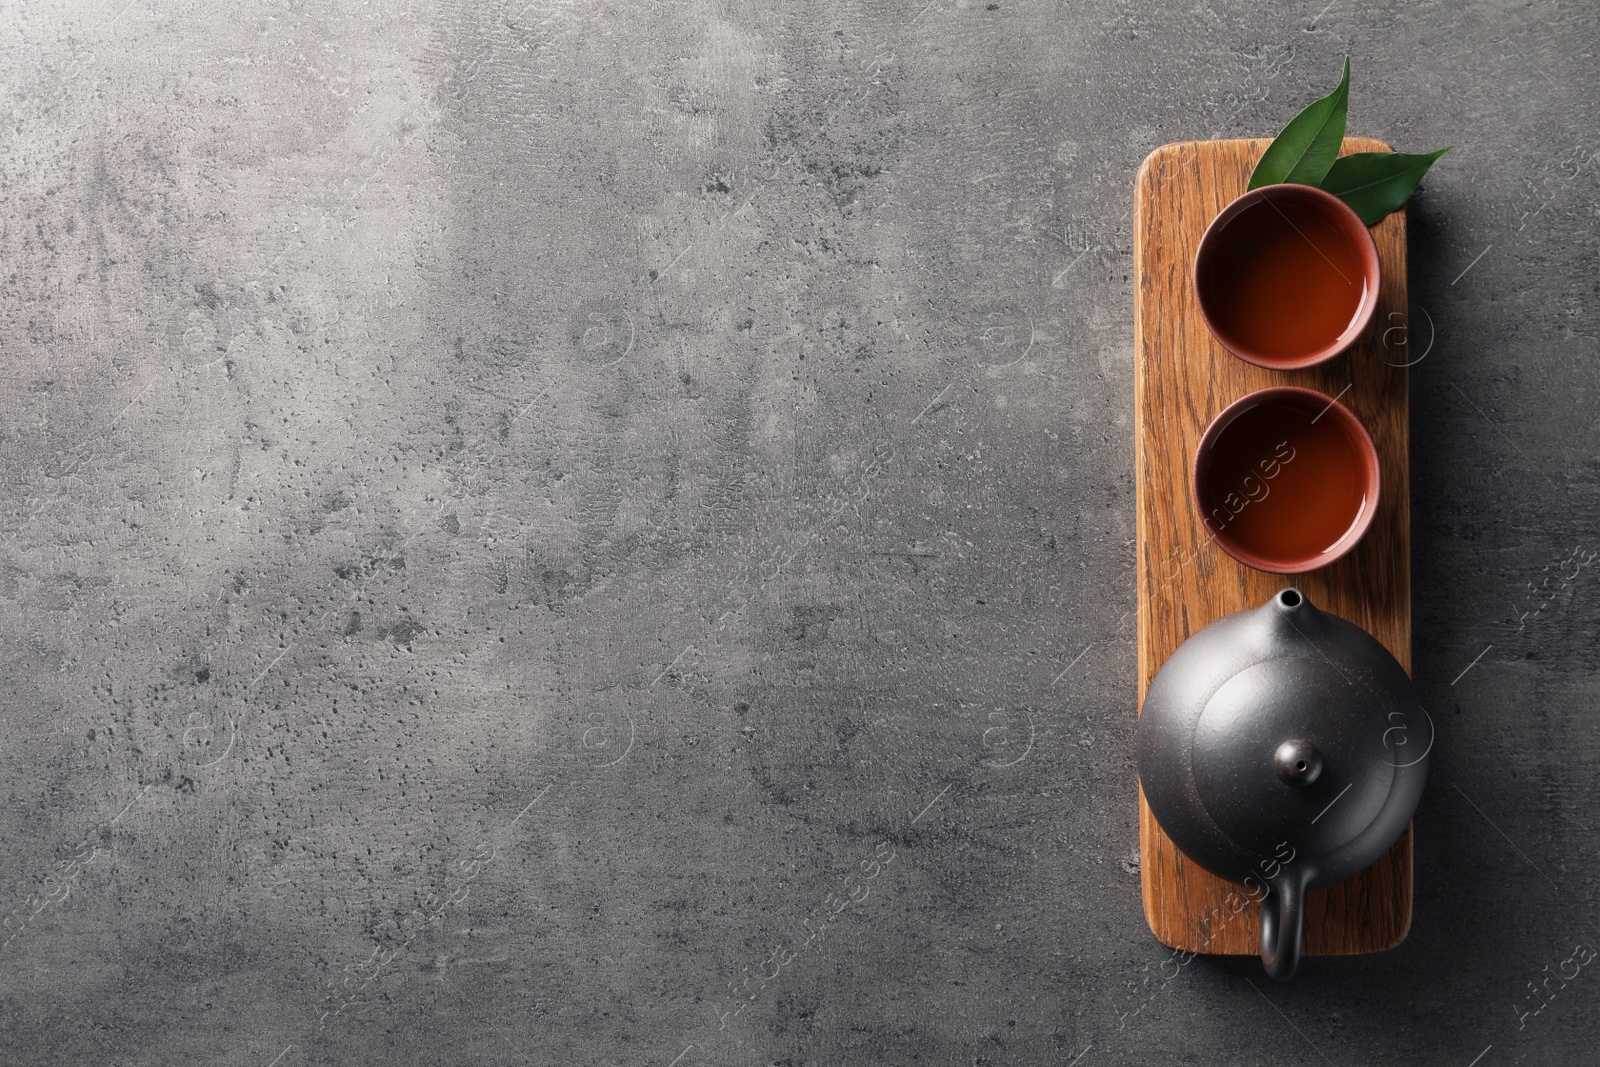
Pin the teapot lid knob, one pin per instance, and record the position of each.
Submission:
(1297, 762)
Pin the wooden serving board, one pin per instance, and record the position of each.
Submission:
(1183, 378)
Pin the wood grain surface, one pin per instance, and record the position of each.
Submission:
(1183, 378)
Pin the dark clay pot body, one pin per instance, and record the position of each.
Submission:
(1284, 747)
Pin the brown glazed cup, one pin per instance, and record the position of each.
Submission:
(1285, 480)
(1261, 310)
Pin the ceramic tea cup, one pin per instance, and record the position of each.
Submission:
(1287, 277)
(1285, 480)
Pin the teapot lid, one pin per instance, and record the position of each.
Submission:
(1292, 749)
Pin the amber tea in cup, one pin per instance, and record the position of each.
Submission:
(1287, 276)
(1286, 480)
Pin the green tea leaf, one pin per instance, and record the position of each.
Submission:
(1307, 147)
(1375, 183)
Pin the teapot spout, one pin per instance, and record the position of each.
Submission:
(1290, 613)
(1290, 600)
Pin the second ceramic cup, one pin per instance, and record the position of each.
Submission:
(1285, 480)
(1287, 277)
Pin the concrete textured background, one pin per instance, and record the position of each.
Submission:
(603, 533)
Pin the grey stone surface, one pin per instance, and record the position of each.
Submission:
(603, 533)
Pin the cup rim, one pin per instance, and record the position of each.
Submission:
(1349, 539)
(1350, 222)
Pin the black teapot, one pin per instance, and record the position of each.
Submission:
(1283, 744)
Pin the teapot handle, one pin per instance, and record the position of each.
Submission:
(1283, 922)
